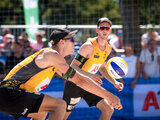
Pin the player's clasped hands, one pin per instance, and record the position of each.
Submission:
(114, 101)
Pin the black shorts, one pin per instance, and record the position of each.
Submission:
(73, 94)
(18, 102)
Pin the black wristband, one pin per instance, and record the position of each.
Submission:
(80, 58)
(69, 74)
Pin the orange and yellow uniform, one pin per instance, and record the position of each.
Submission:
(93, 64)
(27, 75)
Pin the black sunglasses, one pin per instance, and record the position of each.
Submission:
(70, 38)
(104, 28)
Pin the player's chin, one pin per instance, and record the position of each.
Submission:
(105, 36)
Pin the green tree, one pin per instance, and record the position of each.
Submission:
(130, 20)
(78, 11)
(149, 12)
(11, 12)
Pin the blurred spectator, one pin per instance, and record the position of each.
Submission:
(150, 60)
(146, 36)
(27, 49)
(159, 33)
(6, 51)
(24, 35)
(38, 44)
(158, 41)
(6, 37)
(26, 44)
(27, 52)
(15, 57)
(43, 33)
(21, 40)
(1, 39)
(114, 42)
(46, 44)
(120, 38)
(5, 31)
(44, 39)
(154, 35)
(133, 65)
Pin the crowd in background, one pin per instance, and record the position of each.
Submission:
(15, 50)
(147, 65)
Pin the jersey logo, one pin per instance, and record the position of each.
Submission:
(25, 111)
(13, 83)
(96, 56)
(94, 68)
(43, 84)
(75, 100)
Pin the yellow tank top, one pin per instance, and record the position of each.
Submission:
(93, 64)
(31, 77)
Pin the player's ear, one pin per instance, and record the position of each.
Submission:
(61, 41)
(96, 30)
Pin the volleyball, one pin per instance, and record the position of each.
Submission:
(116, 67)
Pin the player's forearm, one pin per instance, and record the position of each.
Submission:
(105, 74)
(77, 68)
(92, 87)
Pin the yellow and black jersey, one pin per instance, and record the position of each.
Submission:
(93, 64)
(27, 75)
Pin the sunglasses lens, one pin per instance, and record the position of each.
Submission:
(72, 39)
(108, 28)
(103, 28)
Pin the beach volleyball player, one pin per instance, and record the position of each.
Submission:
(91, 58)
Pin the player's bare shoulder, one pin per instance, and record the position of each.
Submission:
(86, 49)
(88, 45)
(50, 52)
(47, 58)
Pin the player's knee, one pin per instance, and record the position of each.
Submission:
(61, 103)
(107, 109)
(58, 104)
(64, 104)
